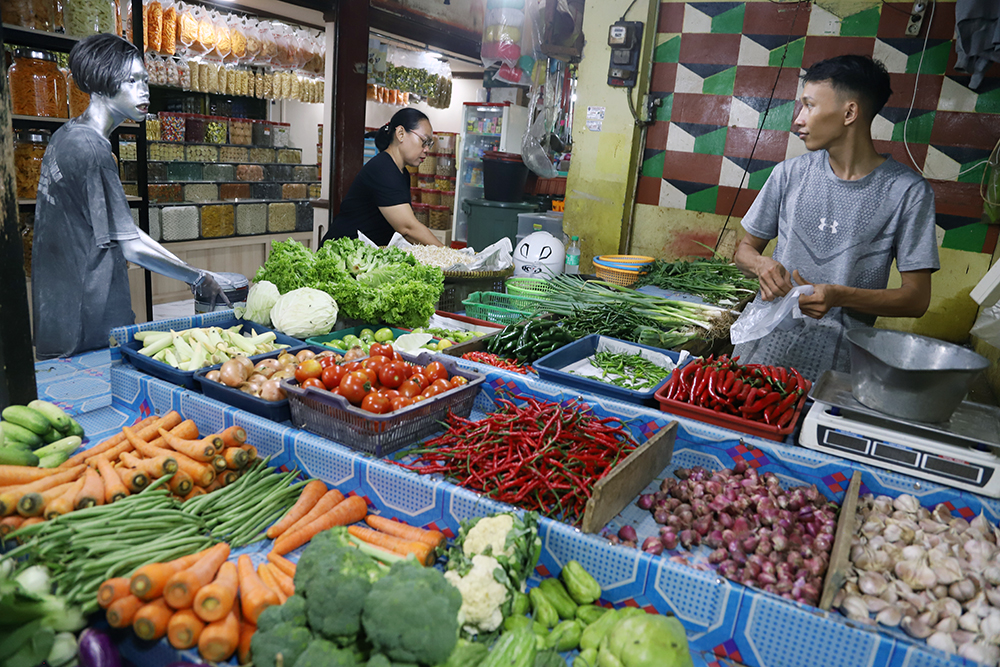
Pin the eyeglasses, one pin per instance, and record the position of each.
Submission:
(427, 142)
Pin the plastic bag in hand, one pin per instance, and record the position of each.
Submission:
(761, 318)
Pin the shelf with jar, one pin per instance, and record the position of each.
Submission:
(189, 221)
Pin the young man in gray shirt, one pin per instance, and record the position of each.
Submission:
(841, 214)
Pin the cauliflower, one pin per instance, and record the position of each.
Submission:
(490, 533)
(482, 595)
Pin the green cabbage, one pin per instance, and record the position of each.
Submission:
(304, 312)
(260, 300)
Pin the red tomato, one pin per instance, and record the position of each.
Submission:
(410, 389)
(332, 375)
(327, 361)
(419, 397)
(436, 371)
(309, 368)
(431, 391)
(400, 402)
(376, 403)
(396, 355)
(442, 385)
(352, 366)
(313, 382)
(354, 386)
(458, 381)
(389, 393)
(380, 350)
(391, 375)
(420, 379)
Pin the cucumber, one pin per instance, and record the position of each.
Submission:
(26, 417)
(52, 435)
(66, 446)
(74, 428)
(57, 416)
(52, 460)
(7, 442)
(12, 431)
(15, 456)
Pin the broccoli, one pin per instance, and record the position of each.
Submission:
(335, 578)
(293, 611)
(411, 614)
(379, 660)
(285, 639)
(322, 653)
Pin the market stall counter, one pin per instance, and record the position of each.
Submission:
(726, 622)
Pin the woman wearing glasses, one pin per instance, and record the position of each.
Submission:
(378, 202)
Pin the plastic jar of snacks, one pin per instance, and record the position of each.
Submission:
(445, 142)
(35, 14)
(428, 166)
(289, 155)
(429, 196)
(425, 181)
(216, 130)
(217, 220)
(78, 100)
(281, 135)
(445, 165)
(194, 127)
(444, 183)
(152, 127)
(262, 134)
(240, 131)
(165, 192)
(448, 198)
(171, 126)
(82, 18)
(37, 86)
(29, 149)
(127, 150)
(440, 217)
(261, 155)
(422, 212)
(233, 154)
(202, 153)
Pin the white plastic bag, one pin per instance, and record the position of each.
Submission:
(495, 257)
(987, 326)
(760, 319)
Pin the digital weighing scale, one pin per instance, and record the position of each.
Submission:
(960, 453)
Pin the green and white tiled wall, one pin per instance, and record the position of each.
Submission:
(716, 64)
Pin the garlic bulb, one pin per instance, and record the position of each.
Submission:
(915, 628)
(854, 608)
(875, 604)
(989, 627)
(947, 625)
(872, 583)
(969, 621)
(942, 641)
(980, 651)
(962, 590)
(890, 616)
(906, 503)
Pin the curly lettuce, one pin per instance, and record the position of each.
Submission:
(289, 266)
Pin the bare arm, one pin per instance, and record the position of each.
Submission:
(403, 221)
(773, 277)
(909, 300)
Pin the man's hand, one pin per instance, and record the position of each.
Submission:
(207, 289)
(773, 278)
(819, 303)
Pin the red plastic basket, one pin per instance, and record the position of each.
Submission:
(724, 420)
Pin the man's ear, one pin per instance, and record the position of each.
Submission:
(851, 112)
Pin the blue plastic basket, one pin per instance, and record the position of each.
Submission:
(186, 378)
(548, 368)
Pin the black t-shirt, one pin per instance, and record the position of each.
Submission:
(380, 183)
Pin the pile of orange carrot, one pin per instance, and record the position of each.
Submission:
(124, 464)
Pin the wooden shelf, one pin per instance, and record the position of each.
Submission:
(20, 119)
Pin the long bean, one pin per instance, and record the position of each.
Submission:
(712, 279)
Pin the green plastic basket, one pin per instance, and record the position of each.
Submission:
(499, 308)
(527, 286)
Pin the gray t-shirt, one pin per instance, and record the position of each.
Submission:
(79, 285)
(842, 233)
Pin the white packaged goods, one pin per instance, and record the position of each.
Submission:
(180, 223)
(251, 218)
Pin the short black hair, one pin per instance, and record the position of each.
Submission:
(100, 64)
(408, 117)
(860, 76)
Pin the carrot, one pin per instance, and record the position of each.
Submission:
(199, 450)
(10, 523)
(236, 458)
(33, 504)
(148, 434)
(181, 483)
(184, 629)
(111, 442)
(219, 463)
(64, 503)
(134, 480)
(282, 564)
(114, 488)
(431, 538)
(234, 436)
(330, 499)
(10, 497)
(228, 477)
(14, 475)
(121, 612)
(251, 452)
(265, 576)
(423, 553)
(214, 486)
(213, 602)
(31, 521)
(243, 649)
(202, 473)
(150, 622)
(195, 492)
(220, 639)
(255, 596)
(112, 590)
(311, 494)
(153, 468)
(350, 511)
(92, 492)
(182, 586)
(285, 582)
(148, 581)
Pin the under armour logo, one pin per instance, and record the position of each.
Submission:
(833, 225)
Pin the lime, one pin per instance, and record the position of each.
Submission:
(443, 343)
(350, 340)
(365, 347)
(383, 335)
(367, 334)
(337, 344)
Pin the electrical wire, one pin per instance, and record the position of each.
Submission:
(625, 13)
(760, 128)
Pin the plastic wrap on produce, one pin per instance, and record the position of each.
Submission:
(496, 257)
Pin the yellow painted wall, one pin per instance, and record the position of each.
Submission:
(601, 178)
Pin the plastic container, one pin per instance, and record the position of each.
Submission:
(216, 130)
(430, 196)
(572, 266)
(240, 131)
(429, 166)
(218, 220)
(172, 126)
(293, 191)
(289, 156)
(35, 14)
(550, 368)
(281, 135)
(165, 192)
(82, 18)
(219, 173)
(262, 134)
(233, 154)
(186, 378)
(261, 155)
(37, 85)
(29, 149)
(422, 212)
(156, 172)
(185, 171)
(265, 190)
(445, 166)
(333, 417)
(251, 219)
(194, 128)
(305, 173)
(499, 308)
(504, 176)
(550, 221)
(201, 153)
(490, 221)
(304, 216)
(231, 191)
(445, 142)
(440, 217)
(200, 192)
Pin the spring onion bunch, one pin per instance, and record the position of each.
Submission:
(712, 279)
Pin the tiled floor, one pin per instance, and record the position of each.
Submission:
(169, 311)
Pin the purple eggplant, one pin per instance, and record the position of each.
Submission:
(97, 650)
